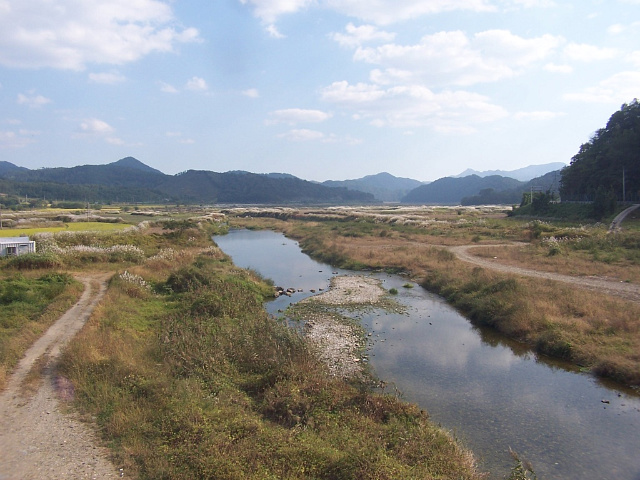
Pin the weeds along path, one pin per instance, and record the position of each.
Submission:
(628, 291)
(38, 440)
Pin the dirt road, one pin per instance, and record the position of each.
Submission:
(37, 440)
(628, 291)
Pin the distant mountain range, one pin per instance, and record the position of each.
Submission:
(383, 186)
(129, 180)
(523, 174)
(475, 190)
(7, 167)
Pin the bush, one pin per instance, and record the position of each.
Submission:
(32, 261)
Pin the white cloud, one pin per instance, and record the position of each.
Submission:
(413, 106)
(251, 93)
(19, 139)
(619, 28)
(293, 116)
(180, 139)
(380, 12)
(114, 141)
(270, 10)
(166, 88)
(589, 53)
(197, 84)
(634, 58)
(273, 31)
(539, 115)
(107, 78)
(342, 93)
(32, 100)
(386, 12)
(617, 89)
(70, 34)
(616, 29)
(532, 3)
(306, 135)
(552, 67)
(356, 36)
(446, 58)
(95, 126)
(302, 135)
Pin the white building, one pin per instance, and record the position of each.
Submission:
(16, 246)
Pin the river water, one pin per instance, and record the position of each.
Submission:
(493, 394)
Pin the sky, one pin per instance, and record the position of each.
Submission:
(321, 89)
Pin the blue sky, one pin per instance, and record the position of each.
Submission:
(321, 89)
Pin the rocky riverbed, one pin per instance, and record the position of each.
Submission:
(338, 340)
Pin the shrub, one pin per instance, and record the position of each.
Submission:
(32, 261)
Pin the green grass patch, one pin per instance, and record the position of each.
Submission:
(28, 306)
(67, 227)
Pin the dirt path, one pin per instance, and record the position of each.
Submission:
(628, 291)
(38, 440)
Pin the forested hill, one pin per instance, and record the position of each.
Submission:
(383, 186)
(611, 155)
(451, 191)
(129, 180)
(243, 187)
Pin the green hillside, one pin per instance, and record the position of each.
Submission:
(609, 162)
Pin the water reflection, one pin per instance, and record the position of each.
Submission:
(492, 393)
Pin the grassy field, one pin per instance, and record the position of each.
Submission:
(66, 227)
(596, 331)
(188, 377)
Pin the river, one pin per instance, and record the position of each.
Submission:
(492, 393)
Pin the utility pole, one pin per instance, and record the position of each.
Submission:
(624, 193)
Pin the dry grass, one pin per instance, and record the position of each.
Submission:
(189, 378)
(577, 263)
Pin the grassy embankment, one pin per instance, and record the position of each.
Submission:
(188, 377)
(593, 330)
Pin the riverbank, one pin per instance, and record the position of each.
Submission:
(188, 377)
(594, 330)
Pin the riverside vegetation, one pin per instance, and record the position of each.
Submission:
(186, 376)
(598, 332)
